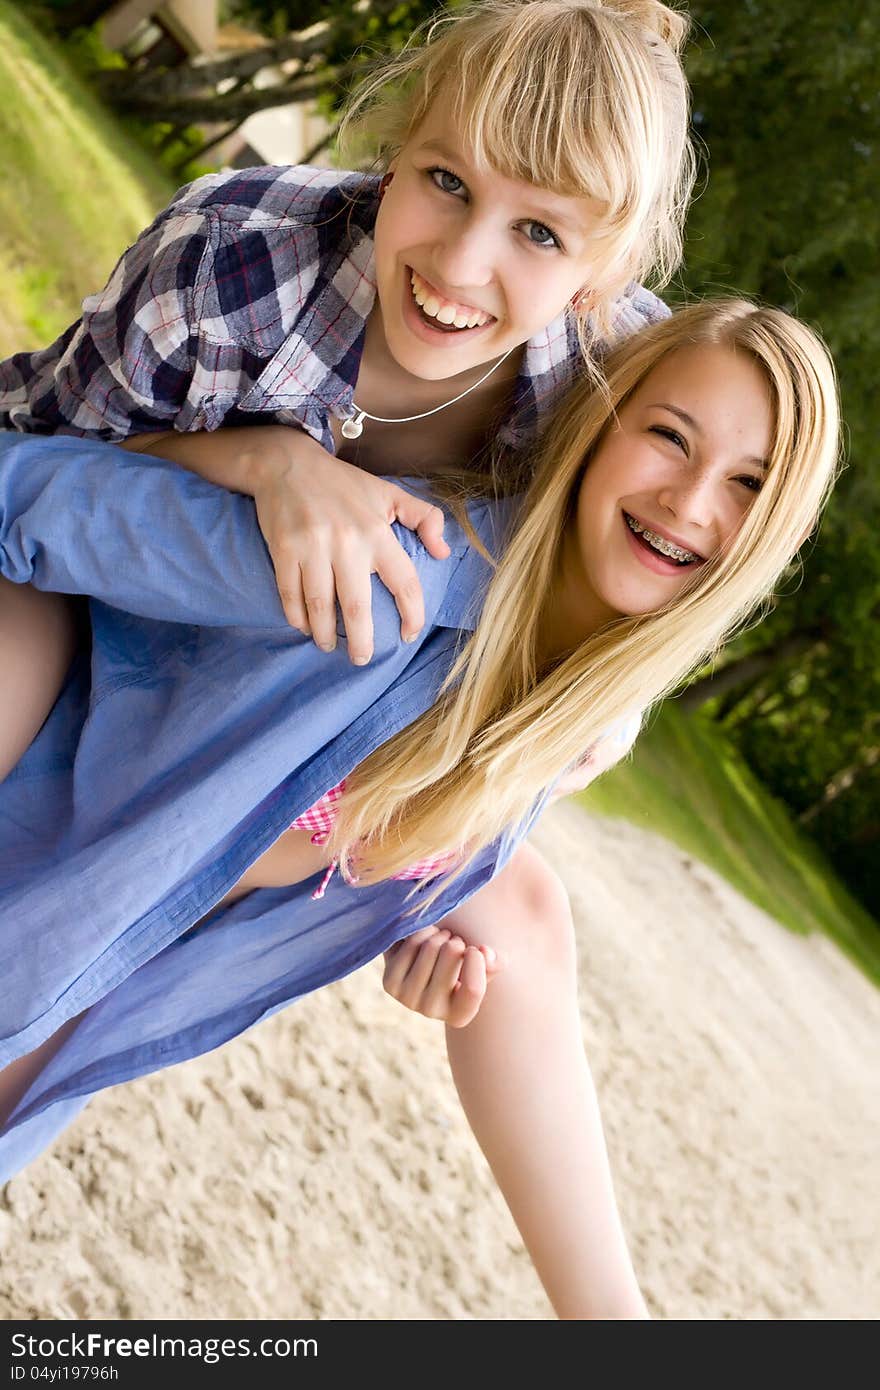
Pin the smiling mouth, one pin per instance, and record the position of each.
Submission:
(444, 315)
(660, 546)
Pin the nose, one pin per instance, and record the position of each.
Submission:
(690, 497)
(463, 253)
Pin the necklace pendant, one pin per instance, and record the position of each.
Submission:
(353, 427)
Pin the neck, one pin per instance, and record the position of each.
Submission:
(572, 613)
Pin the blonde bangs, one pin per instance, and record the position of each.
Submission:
(587, 100)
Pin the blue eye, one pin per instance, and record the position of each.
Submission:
(539, 235)
(752, 483)
(445, 180)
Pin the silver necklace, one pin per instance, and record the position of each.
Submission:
(353, 427)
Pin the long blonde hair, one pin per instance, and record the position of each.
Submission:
(503, 729)
(584, 97)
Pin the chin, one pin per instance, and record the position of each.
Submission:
(429, 364)
(630, 606)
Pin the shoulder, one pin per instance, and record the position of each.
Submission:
(269, 216)
(616, 742)
(637, 308)
(622, 735)
(235, 256)
(278, 196)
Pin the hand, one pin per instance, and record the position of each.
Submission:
(439, 975)
(328, 528)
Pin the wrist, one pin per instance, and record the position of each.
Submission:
(264, 464)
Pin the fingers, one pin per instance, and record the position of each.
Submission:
(471, 990)
(398, 573)
(425, 519)
(347, 579)
(355, 596)
(288, 577)
(327, 526)
(437, 974)
(493, 964)
(414, 965)
(327, 576)
(401, 956)
(319, 595)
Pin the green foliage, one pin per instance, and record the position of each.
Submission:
(85, 51)
(786, 101)
(275, 18)
(75, 189)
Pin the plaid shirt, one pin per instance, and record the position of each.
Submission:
(245, 302)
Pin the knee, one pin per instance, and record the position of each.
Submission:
(524, 913)
(539, 910)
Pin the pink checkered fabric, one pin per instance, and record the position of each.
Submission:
(320, 820)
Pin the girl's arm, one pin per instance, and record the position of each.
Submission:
(80, 517)
(327, 525)
(155, 540)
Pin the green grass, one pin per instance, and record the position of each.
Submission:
(76, 190)
(686, 782)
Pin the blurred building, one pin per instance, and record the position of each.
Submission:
(161, 34)
(164, 35)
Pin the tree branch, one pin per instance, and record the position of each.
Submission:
(200, 78)
(193, 155)
(840, 783)
(235, 106)
(747, 669)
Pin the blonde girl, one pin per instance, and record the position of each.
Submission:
(536, 167)
(662, 511)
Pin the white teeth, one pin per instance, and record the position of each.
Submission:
(444, 311)
(674, 552)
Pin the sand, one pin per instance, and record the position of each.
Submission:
(320, 1167)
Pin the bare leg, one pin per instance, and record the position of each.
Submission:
(19, 1076)
(37, 642)
(524, 1082)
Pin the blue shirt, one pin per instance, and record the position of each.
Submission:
(200, 726)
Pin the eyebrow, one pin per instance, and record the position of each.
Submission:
(562, 219)
(694, 425)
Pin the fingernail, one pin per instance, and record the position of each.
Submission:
(360, 660)
(490, 954)
(410, 636)
(327, 646)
